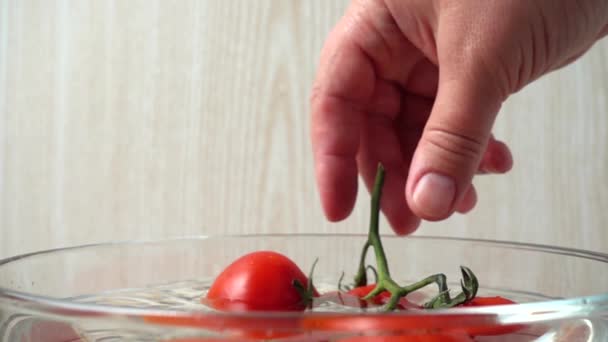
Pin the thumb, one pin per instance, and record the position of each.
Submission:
(452, 144)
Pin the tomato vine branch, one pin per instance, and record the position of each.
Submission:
(385, 282)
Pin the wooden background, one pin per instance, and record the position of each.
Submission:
(144, 119)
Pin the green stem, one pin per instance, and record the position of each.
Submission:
(383, 271)
(341, 287)
(374, 224)
(361, 276)
(373, 238)
(384, 280)
(306, 293)
(373, 269)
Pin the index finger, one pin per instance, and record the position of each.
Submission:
(344, 85)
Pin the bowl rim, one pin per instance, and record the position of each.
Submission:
(539, 311)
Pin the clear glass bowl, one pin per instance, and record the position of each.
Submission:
(150, 291)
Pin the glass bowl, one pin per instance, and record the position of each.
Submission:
(150, 291)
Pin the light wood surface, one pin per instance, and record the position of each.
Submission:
(145, 119)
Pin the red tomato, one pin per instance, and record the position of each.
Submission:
(487, 301)
(456, 326)
(492, 330)
(259, 281)
(362, 291)
(382, 298)
(404, 338)
(411, 338)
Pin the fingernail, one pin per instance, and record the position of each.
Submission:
(434, 195)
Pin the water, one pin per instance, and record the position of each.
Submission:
(184, 295)
(187, 295)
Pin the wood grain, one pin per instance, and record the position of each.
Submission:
(145, 119)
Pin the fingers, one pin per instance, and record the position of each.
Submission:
(343, 87)
(496, 159)
(603, 33)
(468, 202)
(422, 81)
(452, 145)
(393, 203)
(380, 144)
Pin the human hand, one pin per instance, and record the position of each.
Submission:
(417, 85)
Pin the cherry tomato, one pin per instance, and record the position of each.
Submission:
(382, 298)
(411, 338)
(455, 328)
(492, 330)
(404, 338)
(259, 281)
(487, 301)
(455, 325)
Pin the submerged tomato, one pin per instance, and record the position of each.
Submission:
(259, 281)
(454, 327)
(487, 301)
(382, 298)
(412, 338)
(491, 330)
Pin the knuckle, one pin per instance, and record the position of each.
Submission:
(455, 147)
